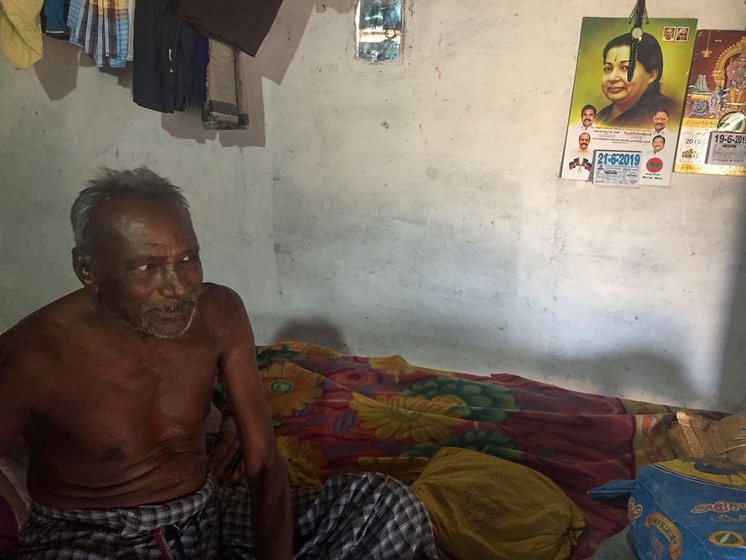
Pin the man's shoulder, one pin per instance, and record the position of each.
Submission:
(40, 335)
(224, 314)
(221, 305)
(61, 314)
(218, 297)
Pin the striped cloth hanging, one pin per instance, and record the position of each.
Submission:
(101, 29)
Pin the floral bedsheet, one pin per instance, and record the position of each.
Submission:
(335, 413)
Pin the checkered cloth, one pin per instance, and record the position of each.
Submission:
(370, 516)
(101, 29)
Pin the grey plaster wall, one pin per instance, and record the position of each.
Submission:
(413, 208)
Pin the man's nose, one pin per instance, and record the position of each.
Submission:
(173, 283)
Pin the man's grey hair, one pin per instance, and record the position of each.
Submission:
(111, 184)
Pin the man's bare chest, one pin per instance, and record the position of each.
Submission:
(126, 398)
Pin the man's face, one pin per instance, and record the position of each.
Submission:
(583, 141)
(659, 121)
(587, 117)
(145, 267)
(668, 33)
(658, 144)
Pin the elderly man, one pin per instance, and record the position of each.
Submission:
(111, 386)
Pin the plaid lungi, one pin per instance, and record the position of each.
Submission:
(368, 516)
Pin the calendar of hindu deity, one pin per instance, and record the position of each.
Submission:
(712, 139)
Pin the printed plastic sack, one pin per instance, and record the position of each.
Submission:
(686, 508)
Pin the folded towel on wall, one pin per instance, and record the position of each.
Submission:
(225, 105)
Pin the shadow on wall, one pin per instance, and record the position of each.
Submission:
(635, 375)
(315, 331)
(732, 382)
(57, 73)
(638, 374)
(625, 375)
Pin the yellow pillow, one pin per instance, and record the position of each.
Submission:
(486, 508)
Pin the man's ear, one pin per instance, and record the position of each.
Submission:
(82, 268)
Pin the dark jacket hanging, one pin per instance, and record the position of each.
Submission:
(164, 56)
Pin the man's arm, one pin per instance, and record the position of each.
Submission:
(271, 518)
(14, 392)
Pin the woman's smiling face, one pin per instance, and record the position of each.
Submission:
(616, 88)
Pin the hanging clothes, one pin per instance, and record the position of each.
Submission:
(54, 19)
(241, 23)
(164, 57)
(20, 31)
(101, 29)
(131, 29)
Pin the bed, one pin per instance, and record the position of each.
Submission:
(339, 413)
(334, 412)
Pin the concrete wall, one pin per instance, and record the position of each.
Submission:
(412, 208)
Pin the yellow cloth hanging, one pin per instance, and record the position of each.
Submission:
(20, 31)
